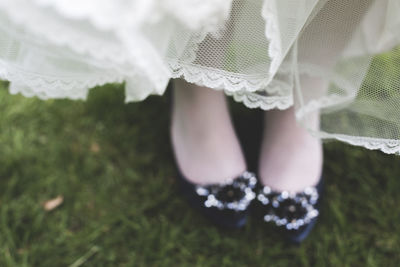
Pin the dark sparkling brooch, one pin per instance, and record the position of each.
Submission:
(287, 209)
(234, 195)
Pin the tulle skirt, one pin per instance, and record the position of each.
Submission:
(332, 59)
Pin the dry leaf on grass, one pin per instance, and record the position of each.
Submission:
(51, 204)
(95, 148)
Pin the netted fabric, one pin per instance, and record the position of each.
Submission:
(336, 61)
(58, 48)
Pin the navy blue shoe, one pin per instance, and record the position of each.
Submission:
(223, 204)
(295, 214)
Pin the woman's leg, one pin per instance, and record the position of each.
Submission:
(205, 144)
(291, 159)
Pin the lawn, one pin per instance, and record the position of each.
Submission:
(112, 164)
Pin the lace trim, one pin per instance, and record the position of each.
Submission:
(73, 87)
(388, 146)
(215, 78)
(242, 87)
(254, 100)
(31, 84)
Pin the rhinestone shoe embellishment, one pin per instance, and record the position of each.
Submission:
(288, 209)
(235, 195)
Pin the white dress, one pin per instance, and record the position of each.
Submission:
(339, 59)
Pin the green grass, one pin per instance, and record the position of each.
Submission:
(113, 165)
